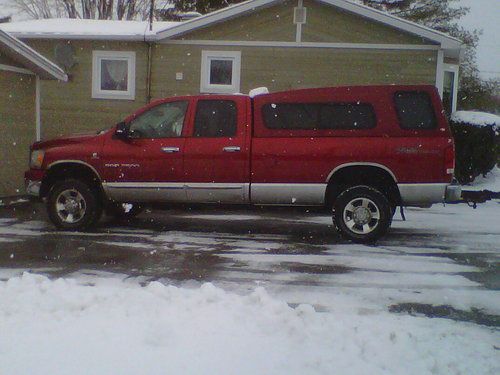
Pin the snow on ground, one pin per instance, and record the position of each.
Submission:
(274, 302)
(491, 182)
(63, 327)
(476, 118)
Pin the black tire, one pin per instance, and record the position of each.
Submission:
(362, 214)
(123, 211)
(79, 200)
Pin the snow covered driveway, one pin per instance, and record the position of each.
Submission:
(251, 293)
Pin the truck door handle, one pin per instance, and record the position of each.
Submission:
(170, 150)
(231, 149)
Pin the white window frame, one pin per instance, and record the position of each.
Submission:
(97, 92)
(453, 69)
(206, 58)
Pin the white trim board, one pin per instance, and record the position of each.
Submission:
(238, 43)
(129, 57)
(440, 72)
(206, 58)
(454, 69)
(48, 35)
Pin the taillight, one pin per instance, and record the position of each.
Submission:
(449, 159)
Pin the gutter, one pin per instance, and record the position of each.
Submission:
(149, 72)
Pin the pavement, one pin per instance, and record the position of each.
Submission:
(442, 262)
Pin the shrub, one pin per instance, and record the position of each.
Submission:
(477, 150)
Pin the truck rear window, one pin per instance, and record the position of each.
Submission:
(215, 118)
(316, 116)
(415, 110)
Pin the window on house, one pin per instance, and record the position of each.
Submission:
(215, 118)
(220, 72)
(316, 116)
(113, 75)
(162, 121)
(415, 110)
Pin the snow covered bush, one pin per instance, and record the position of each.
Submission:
(477, 143)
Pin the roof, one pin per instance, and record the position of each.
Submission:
(75, 28)
(446, 41)
(139, 30)
(29, 58)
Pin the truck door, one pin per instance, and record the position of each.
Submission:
(148, 166)
(216, 157)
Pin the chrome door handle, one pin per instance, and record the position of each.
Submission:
(170, 150)
(232, 149)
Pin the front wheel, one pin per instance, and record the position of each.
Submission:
(362, 214)
(73, 205)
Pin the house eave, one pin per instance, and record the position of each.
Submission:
(214, 17)
(29, 58)
(450, 45)
(446, 41)
(114, 37)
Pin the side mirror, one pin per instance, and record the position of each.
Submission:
(122, 131)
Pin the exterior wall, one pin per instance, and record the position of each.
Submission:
(17, 126)
(285, 67)
(274, 23)
(289, 68)
(68, 108)
(330, 24)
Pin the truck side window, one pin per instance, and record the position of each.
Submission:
(415, 110)
(165, 120)
(215, 118)
(316, 116)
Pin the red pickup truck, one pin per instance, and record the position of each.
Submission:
(358, 151)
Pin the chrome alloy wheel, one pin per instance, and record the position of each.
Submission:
(70, 206)
(361, 215)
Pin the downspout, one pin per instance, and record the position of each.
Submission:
(150, 52)
(38, 116)
(148, 74)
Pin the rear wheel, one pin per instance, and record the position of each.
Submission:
(362, 214)
(73, 205)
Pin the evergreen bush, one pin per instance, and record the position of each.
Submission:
(476, 149)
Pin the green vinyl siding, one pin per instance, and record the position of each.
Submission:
(4, 59)
(325, 24)
(18, 129)
(68, 108)
(329, 24)
(305, 67)
(269, 24)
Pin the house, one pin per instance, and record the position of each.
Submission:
(22, 70)
(115, 67)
